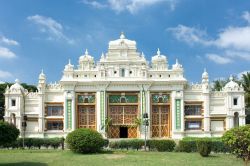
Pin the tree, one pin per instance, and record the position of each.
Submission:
(219, 84)
(238, 140)
(246, 85)
(8, 133)
(107, 124)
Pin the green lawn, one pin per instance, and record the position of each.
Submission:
(120, 158)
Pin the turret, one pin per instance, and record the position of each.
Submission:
(86, 61)
(205, 82)
(159, 62)
(41, 82)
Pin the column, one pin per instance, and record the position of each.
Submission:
(102, 110)
(41, 121)
(206, 103)
(73, 111)
(177, 114)
(98, 111)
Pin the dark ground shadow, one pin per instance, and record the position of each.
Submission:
(24, 164)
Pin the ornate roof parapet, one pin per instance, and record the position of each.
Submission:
(69, 66)
(16, 88)
(218, 94)
(41, 82)
(232, 86)
(86, 61)
(159, 61)
(32, 94)
(193, 86)
(177, 66)
(54, 86)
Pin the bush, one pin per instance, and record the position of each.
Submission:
(136, 144)
(8, 133)
(238, 140)
(106, 143)
(85, 141)
(187, 146)
(55, 142)
(204, 146)
(161, 145)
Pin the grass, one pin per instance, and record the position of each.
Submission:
(116, 158)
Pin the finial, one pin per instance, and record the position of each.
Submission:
(142, 54)
(86, 52)
(69, 62)
(205, 70)
(17, 81)
(122, 36)
(42, 71)
(158, 52)
(102, 55)
(176, 61)
(231, 78)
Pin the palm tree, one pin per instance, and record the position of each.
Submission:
(219, 84)
(107, 124)
(246, 85)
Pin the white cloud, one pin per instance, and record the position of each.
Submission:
(94, 4)
(5, 74)
(241, 73)
(50, 26)
(190, 35)
(132, 6)
(246, 16)
(234, 42)
(6, 53)
(234, 37)
(7, 41)
(218, 59)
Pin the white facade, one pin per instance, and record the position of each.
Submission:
(122, 85)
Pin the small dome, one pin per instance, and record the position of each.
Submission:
(17, 86)
(205, 74)
(176, 65)
(42, 75)
(231, 84)
(159, 58)
(69, 66)
(86, 57)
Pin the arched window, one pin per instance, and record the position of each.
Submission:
(123, 72)
(236, 119)
(13, 119)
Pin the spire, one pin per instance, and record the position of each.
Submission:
(17, 81)
(102, 56)
(122, 36)
(158, 52)
(142, 55)
(86, 52)
(231, 78)
(176, 61)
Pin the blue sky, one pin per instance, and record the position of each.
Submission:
(44, 34)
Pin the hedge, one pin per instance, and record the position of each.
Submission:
(159, 145)
(189, 144)
(36, 143)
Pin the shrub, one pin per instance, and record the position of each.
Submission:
(8, 133)
(161, 145)
(136, 144)
(38, 142)
(106, 143)
(187, 146)
(55, 142)
(238, 140)
(85, 141)
(204, 146)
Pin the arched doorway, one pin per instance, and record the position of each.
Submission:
(236, 119)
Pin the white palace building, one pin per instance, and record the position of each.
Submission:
(120, 88)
